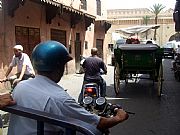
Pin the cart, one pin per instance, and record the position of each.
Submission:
(134, 59)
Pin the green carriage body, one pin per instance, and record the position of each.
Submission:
(138, 59)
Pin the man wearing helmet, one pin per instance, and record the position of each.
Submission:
(44, 94)
(94, 67)
(22, 61)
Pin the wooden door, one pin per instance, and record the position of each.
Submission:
(99, 46)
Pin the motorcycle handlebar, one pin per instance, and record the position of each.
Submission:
(111, 109)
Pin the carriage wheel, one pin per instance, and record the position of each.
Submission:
(116, 78)
(160, 80)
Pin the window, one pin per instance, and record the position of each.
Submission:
(89, 28)
(28, 37)
(58, 35)
(84, 4)
(86, 44)
(98, 4)
(77, 36)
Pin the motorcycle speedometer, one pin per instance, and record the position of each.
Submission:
(87, 100)
(100, 101)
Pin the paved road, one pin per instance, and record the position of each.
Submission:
(153, 116)
(73, 83)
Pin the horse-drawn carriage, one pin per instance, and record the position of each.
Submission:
(134, 59)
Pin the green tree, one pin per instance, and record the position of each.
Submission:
(156, 9)
(145, 21)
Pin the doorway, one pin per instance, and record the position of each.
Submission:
(99, 46)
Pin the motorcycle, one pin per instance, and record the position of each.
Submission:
(104, 109)
(92, 99)
(91, 91)
(95, 103)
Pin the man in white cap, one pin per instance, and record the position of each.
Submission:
(24, 66)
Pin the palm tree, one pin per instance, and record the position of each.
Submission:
(156, 9)
(145, 21)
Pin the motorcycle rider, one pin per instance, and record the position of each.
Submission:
(94, 67)
(44, 94)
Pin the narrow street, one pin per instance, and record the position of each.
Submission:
(154, 116)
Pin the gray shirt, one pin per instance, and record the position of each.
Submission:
(43, 94)
(93, 65)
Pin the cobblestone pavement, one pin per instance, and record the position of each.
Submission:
(72, 83)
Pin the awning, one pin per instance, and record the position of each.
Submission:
(78, 12)
(68, 8)
(72, 10)
(52, 2)
(106, 24)
(137, 29)
(75, 17)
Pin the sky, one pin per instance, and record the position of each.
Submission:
(129, 4)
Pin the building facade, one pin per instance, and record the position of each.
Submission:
(78, 24)
(123, 18)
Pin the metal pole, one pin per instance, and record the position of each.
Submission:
(40, 128)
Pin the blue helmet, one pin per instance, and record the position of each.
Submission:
(47, 56)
